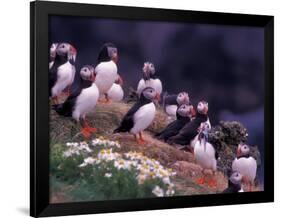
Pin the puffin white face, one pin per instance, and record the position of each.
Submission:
(150, 94)
(87, 72)
(236, 178)
(243, 149)
(148, 69)
(53, 50)
(202, 107)
(183, 98)
(62, 49)
(185, 110)
(113, 53)
(66, 49)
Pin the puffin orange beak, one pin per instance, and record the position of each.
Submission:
(206, 110)
(93, 78)
(193, 112)
(244, 179)
(238, 151)
(157, 97)
(73, 52)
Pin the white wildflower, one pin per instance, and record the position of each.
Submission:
(83, 165)
(170, 191)
(108, 175)
(158, 191)
(67, 153)
(122, 164)
(166, 180)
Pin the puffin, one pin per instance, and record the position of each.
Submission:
(81, 101)
(172, 102)
(106, 69)
(149, 79)
(206, 156)
(234, 183)
(184, 114)
(52, 54)
(116, 93)
(206, 125)
(190, 130)
(62, 71)
(141, 115)
(245, 164)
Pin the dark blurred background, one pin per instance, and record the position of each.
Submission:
(220, 64)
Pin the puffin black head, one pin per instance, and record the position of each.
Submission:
(202, 107)
(53, 51)
(149, 94)
(108, 52)
(183, 98)
(185, 110)
(236, 178)
(148, 70)
(87, 72)
(66, 50)
(243, 150)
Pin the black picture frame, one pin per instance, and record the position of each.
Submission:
(39, 107)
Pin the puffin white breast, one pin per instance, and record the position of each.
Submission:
(247, 166)
(157, 85)
(106, 75)
(205, 158)
(86, 101)
(115, 93)
(143, 117)
(51, 64)
(64, 78)
(141, 86)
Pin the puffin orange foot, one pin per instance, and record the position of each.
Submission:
(200, 181)
(55, 100)
(212, 183)
(104, 101)
(86, 133)
(141, 142)
(92, 129)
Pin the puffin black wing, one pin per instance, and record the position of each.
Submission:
(189, 131)
(53, 76)
(127, 123)
(216, 155)
(66, 108)
(171, 130)
(232, 188)
(170, 100)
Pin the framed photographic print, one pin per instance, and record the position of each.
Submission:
(141, 109)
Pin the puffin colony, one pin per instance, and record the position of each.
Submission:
(102, 84)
